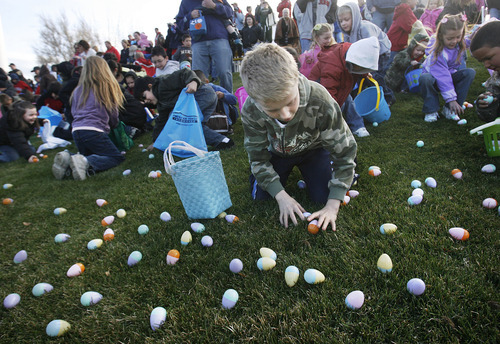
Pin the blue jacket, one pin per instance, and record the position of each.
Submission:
(215, 19)
(384, 6)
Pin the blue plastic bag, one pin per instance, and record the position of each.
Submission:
(184, 124)
(53, 116)
(198, 26)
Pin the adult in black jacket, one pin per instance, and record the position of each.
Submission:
(251, 33)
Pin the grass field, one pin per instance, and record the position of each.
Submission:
(461, 302)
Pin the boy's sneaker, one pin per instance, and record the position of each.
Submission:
(79, 165)
(225, 144)
(361, 132)
(60, 167)
(449, 114)
(431, 117)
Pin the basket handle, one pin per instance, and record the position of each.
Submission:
(418, 66)
(484, 126)
(168, 159)
(376, 85)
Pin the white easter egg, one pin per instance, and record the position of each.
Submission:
(355, 299)
(420, 144)
(151, 156)
(266, 263)
(157, 318)
(292, 274)
(121, 213)
(415, 286)
(143, 229)
(462, 121)
(490, 168)
(100, 202)
(416, 184)
(62, 237)
(20, 256)
(430, 182)
(236, 265)
(229, 298)
(197, 227)
(126, 172)
(11, 300)
(41, 288)
(313, 276)
(207, 241)
(165, 216)
(490, 203)
(417, 191)
(415, 200)
(90, 298)
(353, 193)
(346, 201)
(267, 252)
(57, 328)
(134, 258)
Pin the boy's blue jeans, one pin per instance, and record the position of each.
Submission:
(315, 167)
(462, 80)
(100, 151)
(352, 117)
(8, 153)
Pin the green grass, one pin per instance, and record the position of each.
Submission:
(460, 304)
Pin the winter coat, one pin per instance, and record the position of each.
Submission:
(251, 35)
(429, 18)
(17, 138)
(287, 34)
(402, 23)
(325, 13)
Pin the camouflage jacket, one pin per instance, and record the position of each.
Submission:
(317, 123)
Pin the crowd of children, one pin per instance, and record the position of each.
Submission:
(310, 95)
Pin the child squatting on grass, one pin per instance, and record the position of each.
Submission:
(444, 70)
(485, 47)
(290, 121)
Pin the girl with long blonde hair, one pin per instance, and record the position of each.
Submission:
(95, 103)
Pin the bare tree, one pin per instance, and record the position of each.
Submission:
(58, 36)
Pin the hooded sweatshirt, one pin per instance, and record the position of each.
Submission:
(334, 67)
(364, 29)
(303, 12)
(402, 23)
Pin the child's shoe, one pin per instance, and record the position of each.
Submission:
(79, 165)
(449, 114)
(361, 132)
(60, 168)
(431, 117)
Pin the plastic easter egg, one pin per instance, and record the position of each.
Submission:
(229, 298)
(490, 168)
(459, 233)
(490, 203)
(94, 244)
(388, 228)
(20, 256)
(346, 200)
(415, 200)
(373, 168)
(266, 263)
(108, 235)
(301, 184)
(7, 186)
(313, 276)
(292, 274)
(416, 184)
(126, 172)
(232, 218)
(173, 257)
(41, 288)
(6, 201)
(165, 216)
(108, 220)
(144, 150)
(306, 214)
(75, 270)
(153, 174)
(236, 265)
(62, 237)
(267, 252)
(151, 156)
(134, 258)
(186, 238)
(57, 328)
(353, 193)
(456, 173)
(417, 191)
(355, 299)
(207, 241)
(197, 227)
(415, 286)
(11, 300)
(420, 144)
(100, 202)
(463, 121)
(121, 213)
(143, 229)
(157, 318)
(59, 211)
(468, 105)
(222, 215)
(374, 172)
(90, 298)
(488, 99)
(312, 227)
(384, 263)
(375, 124)
(430, 182)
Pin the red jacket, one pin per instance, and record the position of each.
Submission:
(282, 5)
(114, 51)
(402, 23)
(146, 65)
(331, 72)
(21, 85)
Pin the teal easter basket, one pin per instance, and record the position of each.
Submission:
(199, 180)
(370, 103)
(412, 78)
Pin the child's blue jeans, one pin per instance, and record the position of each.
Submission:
(100, 151)
(8, 153)
(315, 167)
(462, 80)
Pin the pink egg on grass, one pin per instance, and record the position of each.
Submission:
(236, 265)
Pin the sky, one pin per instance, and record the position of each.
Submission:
(113, 20)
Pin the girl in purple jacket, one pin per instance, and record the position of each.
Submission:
(444, 70)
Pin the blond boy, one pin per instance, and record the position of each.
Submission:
(291, 121)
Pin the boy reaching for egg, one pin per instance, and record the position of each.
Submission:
(290, 121)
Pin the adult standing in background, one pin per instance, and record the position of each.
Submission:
(214, 45)
(238, 17)
(111, 49)
(311, 12)
(282, 5)
(84, 51)
(265, 16)
(382, 12)
(287, 33)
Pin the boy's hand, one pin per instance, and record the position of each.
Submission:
(288, 208)
(456, 108)
(195, 14)
(192, 87)
(481, 102)
(208, 4)
(327, 215)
